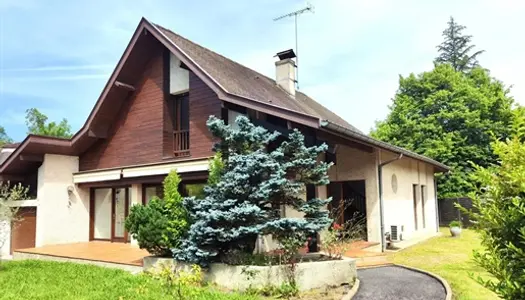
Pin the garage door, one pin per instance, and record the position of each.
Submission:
(23, 230)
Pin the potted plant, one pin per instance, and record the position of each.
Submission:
(455, 228)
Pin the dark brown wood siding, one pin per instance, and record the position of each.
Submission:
(136, 134)
(203, 103)
(141, 132)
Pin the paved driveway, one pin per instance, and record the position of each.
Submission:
(394, 283)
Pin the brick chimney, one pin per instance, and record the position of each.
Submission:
(285, 71)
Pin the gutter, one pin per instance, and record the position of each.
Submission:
(381, 204)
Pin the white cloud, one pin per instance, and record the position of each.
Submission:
(351, 51)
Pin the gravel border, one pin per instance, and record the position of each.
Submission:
(352, 291)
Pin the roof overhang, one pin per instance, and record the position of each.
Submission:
(148, 170)
(365, 139)
(96, 125)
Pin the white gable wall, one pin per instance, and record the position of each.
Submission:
(179, 77)
(62, 216)
(399, 205)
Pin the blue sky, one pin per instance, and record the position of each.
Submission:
(57, 55)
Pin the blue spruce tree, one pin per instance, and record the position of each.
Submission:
(254, 183)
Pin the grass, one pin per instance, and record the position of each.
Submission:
(31, 279)
(450, 258)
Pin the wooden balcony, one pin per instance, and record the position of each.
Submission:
(181, 143)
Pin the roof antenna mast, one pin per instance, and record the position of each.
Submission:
(308, 8)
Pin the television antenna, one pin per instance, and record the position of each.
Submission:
(295, 14)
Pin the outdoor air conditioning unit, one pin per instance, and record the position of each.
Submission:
(396, 233)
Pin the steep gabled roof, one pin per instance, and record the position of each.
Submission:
(231, 81)
(244, 82)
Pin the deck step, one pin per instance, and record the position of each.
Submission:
(369, 261)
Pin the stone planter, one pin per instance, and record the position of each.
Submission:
(308, 275)
(156, 263)
(455, 231)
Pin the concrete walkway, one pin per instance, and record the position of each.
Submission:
(393, 283)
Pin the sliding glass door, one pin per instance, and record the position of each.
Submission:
(109, 209)
(120, 212)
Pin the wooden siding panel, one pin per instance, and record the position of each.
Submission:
(203, 103)
(136, 135)
(141, 132)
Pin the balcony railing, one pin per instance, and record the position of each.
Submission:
(181, 143)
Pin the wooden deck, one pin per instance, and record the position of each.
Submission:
(117, 253)
(365, 256)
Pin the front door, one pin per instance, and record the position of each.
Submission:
(120, 212)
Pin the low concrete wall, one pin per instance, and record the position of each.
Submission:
(309, 275)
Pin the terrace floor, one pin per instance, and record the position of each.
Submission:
(97, 251)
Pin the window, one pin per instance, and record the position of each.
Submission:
(330, 155)
(232, 116)
(195, 189)
(415, 190)
(180, 118)
(423, 199)
(149, 191)
(280, 122)
(180, 111)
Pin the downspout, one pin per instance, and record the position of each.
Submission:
(437, 207)
(381, 204)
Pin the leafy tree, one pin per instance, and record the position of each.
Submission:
(37, 124)
(254, 183)
(451, 117)
(456, 48)
(4, 138)
(501, 217)
(160, 225)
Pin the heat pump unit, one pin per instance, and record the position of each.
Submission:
(396, 233)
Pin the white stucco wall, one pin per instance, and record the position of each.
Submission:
(355, 164)
(5, 239)
(62, 216)
(399, 205)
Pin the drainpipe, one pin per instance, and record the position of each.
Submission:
(381, 209)
(436, 199)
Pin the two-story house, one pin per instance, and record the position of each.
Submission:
(151, 118)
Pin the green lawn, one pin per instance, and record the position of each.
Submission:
(53, 280)
(451, 258)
